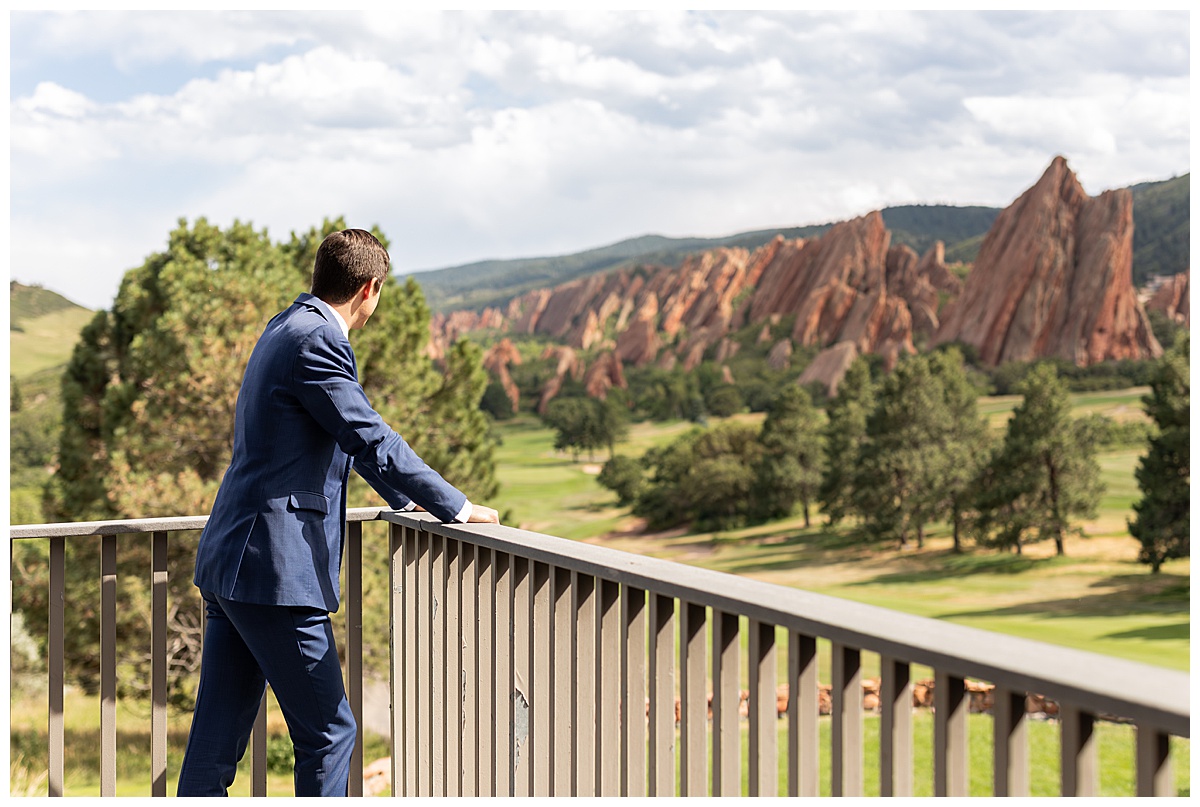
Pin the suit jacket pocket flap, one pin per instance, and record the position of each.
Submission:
(310, 501)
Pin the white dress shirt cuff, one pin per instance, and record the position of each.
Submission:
(464, 515)
(408, 507)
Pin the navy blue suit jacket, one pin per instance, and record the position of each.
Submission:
(276, 529)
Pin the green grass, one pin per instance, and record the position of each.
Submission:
(45, 341)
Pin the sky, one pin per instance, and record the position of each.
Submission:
(485, 134)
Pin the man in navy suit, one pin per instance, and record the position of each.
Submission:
(268, 561)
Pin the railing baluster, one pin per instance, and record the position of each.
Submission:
(398, 681)
(485, 673)
(502, 631)
(522, 723)
(764, 768)
(608, 711)
(1010, 744)
(108, 665)
(727, 757)
(441, 561)
(258, 751)
(895, 729)
(453, 702)
(562, 661)
(468, 706)
(1154, 762)
(949, 735)
(633, 692)
(847, 756)
(804, 711)
(1080, 771)
(430, 554)
(542, 707)
(158, 664)
(411, 694)
(693, 708)
(354, 668)
(55, 634)
(583, 674)
(662, 695)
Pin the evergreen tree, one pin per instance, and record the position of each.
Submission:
(964, 439)
(1045, 474)
(150, 393)
(790, 468)
(902, 462)
(845, 433)
(1162, 522)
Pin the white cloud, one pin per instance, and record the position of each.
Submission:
(477, 135)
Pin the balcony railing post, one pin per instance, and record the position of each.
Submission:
(584, 676)
(727, 757)
(895, 730)
(258, 751)
(503, 630)
(608, 710)
(486, 661)
(693, 709)
(452, 736)
(662, 696)
(633, 692)
(108, 665)
(561, 681)
(1010, 744)
(158, 664)
(55, 635)
(847, 767)
(1080, 745)
(354, 672)
(949, 735)
(522, 697)
(1154, 762)
(541, 686)
(399, 681)
(764, 773)
(804, 709)
(468, 677)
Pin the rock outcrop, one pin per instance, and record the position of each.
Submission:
(1054, 278)
(497, 360)
(1171, 298)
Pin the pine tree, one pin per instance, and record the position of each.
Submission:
(1162, 523)
(844, 435)
(896, 484)
(1044, 476)
(964, 440)
(790, 468)
(150, 393)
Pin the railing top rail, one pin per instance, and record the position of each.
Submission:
(132, 526)
(1107, 684)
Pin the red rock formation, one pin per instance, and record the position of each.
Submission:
(830, 366)
(1172, 298)
(567, 364)
(497, 360)
(780, 357)
(604, 374)
(1054, 278)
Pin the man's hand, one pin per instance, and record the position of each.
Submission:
(483, 515)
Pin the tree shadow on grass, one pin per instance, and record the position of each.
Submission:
(941, 564)
(1155, 633)
(811, 546)
(1119, 595)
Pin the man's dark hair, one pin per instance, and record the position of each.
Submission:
(345, 261)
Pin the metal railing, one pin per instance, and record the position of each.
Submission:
(523, 664)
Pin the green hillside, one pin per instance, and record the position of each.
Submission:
(1161, 228)
(1161, 217)
(44, 328)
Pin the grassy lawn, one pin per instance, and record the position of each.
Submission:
(41, 344)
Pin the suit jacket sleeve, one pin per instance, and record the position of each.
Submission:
(325, 382)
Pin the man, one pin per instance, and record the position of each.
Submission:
(268, 561)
